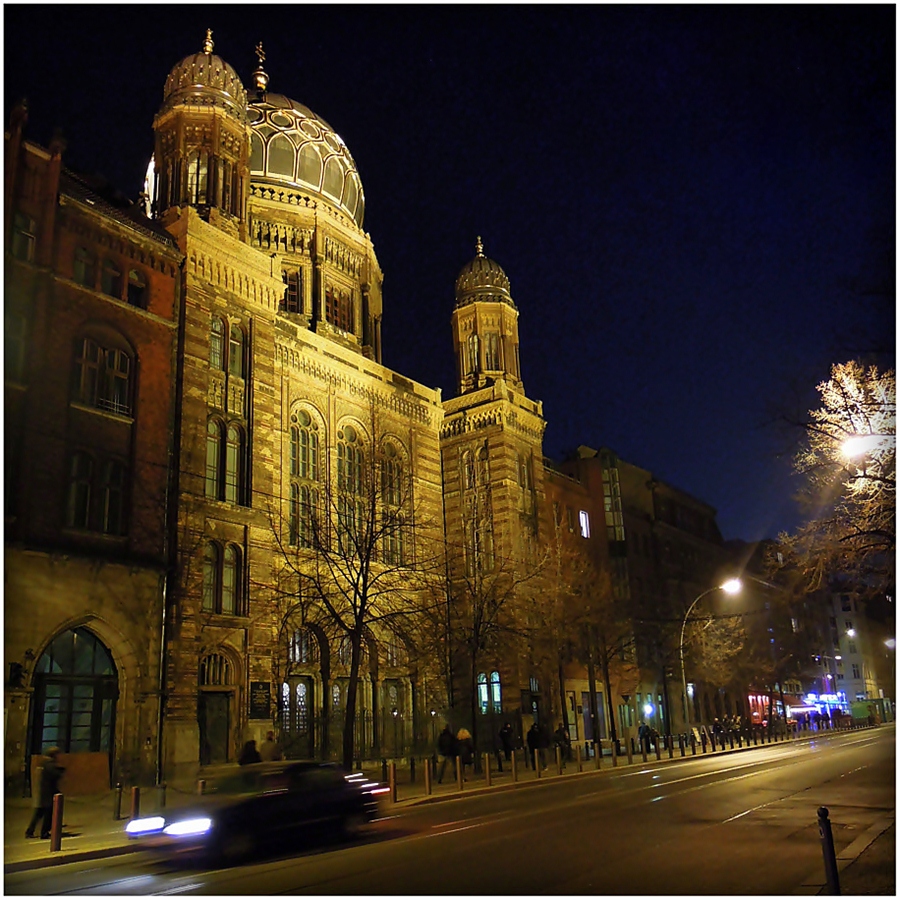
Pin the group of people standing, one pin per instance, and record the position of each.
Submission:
(538, 740)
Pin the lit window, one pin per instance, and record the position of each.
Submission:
(236, 352)
(584, 523)
(217, 344)
(213, 458)
(482, 693)
(495, 692)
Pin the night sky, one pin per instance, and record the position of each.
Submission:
(694, 205)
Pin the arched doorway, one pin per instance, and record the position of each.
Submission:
(214, 702)
(76, 686)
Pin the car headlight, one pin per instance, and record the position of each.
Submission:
(142, 826)
(188, 827)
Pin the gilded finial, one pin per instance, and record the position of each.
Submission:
(208, 43)
(260, 76)
(479, 247)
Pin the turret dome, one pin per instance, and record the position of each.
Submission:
(206, 78)
(482, 279)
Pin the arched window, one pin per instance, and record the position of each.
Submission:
(111, 279)
(215, 671)
(213, 458)
(351, 509)
(137, 289)
(484, 475)
(256, 154)
(222, 580)
(468, 470)
(210, 577)
(234, 449)
(310, 170)
(103, 377)
(334, 178)
(472, 365)
(304, 473)
(97, 494)
(345, 650)
(482, 693)
(293, 298)
(217, 344)
(230, 580)
(281, 157)
(495, 692)
(84, 268)
(393, 525)
(236, 363)
(198, 167)
(492, 351)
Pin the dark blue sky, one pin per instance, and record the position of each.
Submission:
(695, 205)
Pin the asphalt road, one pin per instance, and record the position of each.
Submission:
(742, 823)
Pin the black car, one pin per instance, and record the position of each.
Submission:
(263, 805)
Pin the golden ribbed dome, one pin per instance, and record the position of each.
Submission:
(207, 79)
(482, 280)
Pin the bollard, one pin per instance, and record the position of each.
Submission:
(392, 780)
(629, 747)
(670, 745)
(578, 756)
(681, 745)
(161, 795)
(384, 771)
(201, 786)
(731, 739)
(515, 766)
(135, 802)
(487, 769)
(825, 835)
(537, 763)
(656, 743)
(559, 762)
(428, 776)
(643, 742)
(598, 752)
(412, 770)
(693, 745)
(703, 740)
(459, 773)
(56, 823)
(117, 807)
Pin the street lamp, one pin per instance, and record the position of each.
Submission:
(732, 586)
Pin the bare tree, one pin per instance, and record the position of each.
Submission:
(358, 555)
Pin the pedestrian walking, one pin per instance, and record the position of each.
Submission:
(533, 739)
(506, 740)
(42, 793)
(563, 741)
(249, 754)
(269, 750)
(446, 746)
(465, 749)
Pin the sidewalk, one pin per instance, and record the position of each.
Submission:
(91, 831)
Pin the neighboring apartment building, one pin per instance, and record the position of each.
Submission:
(89, 345)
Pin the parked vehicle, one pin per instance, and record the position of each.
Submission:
(264, 805)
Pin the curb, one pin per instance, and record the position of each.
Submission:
(62, 858)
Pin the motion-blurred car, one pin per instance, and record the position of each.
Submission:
(263, 805)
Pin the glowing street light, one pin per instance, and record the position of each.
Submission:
(732, 586)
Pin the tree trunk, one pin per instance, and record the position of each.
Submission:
(592, 693)
(350, 711)
(562, 693)
(604, 664)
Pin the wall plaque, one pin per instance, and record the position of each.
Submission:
(260, 700)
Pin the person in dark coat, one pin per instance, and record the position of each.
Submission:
(42, 796)
(563, 741)
(535, 740)
(506, 740)
(446, 746)
(249, 754)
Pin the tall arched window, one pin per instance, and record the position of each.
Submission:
(393, 524)
(113, 487)
(472, 365)
(222, 579)
(213, 458)
(236, 361)
(111, 279)
(351, 507)
(304, 472)
(217, 344)
(496, 705)
(234, 449)
(482, 693)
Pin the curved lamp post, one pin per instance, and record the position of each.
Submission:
(732, 586)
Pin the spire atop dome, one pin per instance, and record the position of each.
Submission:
(208, 43)
(260, 76)
(479, 247)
